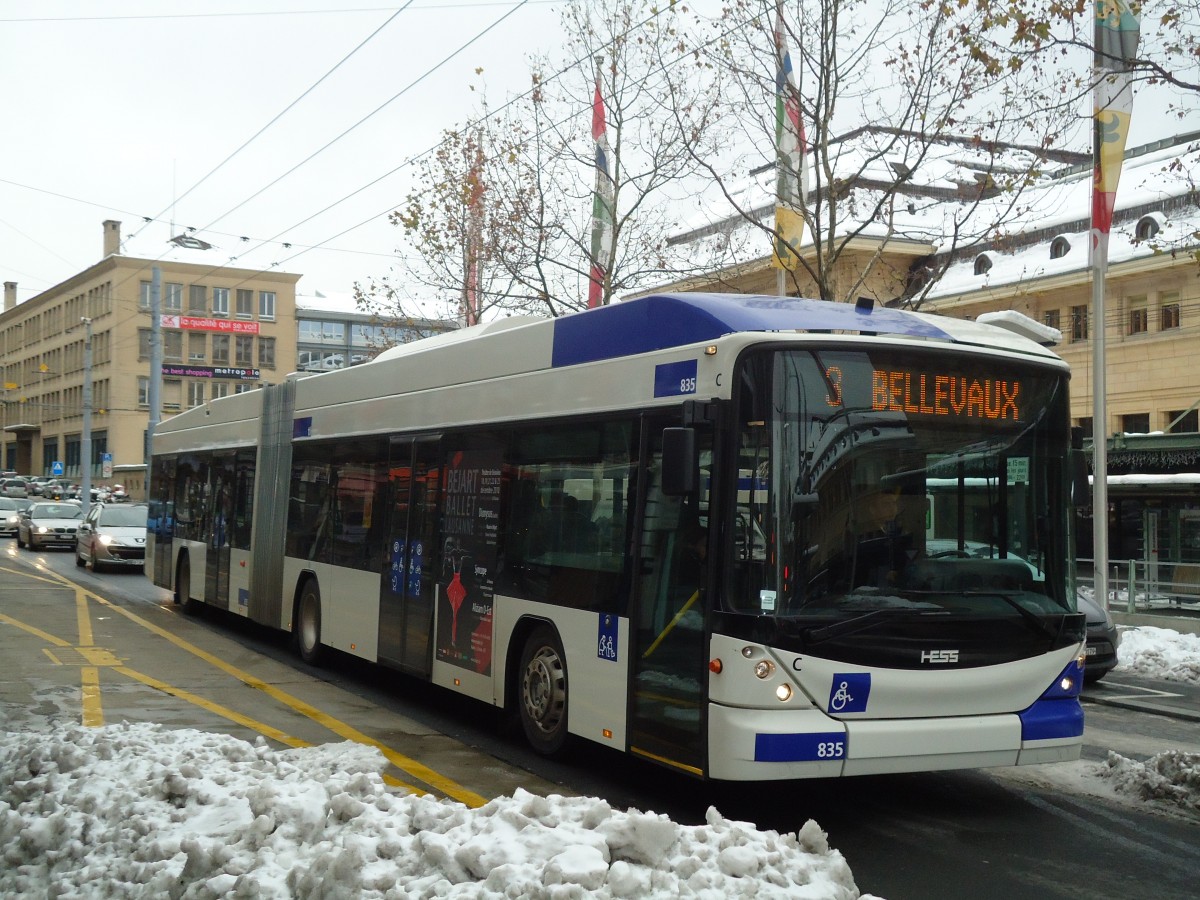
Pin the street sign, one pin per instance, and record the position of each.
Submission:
(56, 468)
(106, 465)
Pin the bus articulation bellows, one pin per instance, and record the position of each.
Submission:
(745, 537)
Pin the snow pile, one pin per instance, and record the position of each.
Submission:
(1173, 776)
(137, 810)
(1159, 653)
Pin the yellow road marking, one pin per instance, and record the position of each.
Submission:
(82, 617)
(93, 713)
(420, 771)
(36, 632)
(434, 779)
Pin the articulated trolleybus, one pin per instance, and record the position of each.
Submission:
(746, 537)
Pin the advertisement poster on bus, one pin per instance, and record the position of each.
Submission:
(470, 528)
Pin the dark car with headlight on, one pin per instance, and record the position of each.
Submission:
(1102, 640)
(112, 535)
(49, 525)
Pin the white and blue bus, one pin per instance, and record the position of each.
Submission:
(698, 528)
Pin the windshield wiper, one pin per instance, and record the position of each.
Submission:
(867, 620)
(1034, 619)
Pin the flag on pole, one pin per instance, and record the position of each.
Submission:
(791, 158)
(1116, 38)
(602, 204)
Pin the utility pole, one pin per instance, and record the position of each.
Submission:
(85, 440)
(154, 388)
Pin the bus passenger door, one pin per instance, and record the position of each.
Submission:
(670, 644)
(410, 572)
(219, 519)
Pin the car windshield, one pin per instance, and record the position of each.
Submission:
(124, 516)
(56, 511)
(6, 503)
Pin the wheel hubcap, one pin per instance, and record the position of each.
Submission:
(544, 690)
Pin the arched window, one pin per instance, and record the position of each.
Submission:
(1059, 247)
(1148, 226)
(983, 264)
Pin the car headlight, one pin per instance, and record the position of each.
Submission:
(42, 529)
(106, 539)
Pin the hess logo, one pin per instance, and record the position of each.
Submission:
(935, 657)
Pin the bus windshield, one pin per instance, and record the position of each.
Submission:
(900, 480)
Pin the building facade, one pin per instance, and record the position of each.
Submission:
(335, 339)
(224, 331)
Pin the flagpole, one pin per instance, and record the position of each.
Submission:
(1116, 35)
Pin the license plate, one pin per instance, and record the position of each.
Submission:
(1091, 651)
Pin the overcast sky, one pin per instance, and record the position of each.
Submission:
(114, 109)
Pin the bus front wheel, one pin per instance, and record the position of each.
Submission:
(543, 695)
(307, 625)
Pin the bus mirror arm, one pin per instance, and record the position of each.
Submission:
(680, 468)
(1081, 491)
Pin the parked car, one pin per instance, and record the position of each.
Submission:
(37, 485)
(17, 486)
(112, 535)
(10, 516)
(1103, 639)
(49, 524)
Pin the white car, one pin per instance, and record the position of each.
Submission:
(112, 535)
(49, 525)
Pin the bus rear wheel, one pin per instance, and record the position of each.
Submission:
(543, 693)
(307, 625)
(183, 587)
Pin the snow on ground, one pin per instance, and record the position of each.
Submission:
(138, 810)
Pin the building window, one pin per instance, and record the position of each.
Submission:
(1051, 318)
(220, 301)
(1188, 422)
(1135, 423)
(243, 386)
(244, 348)
(144, 295)
(266, 304)
(1138, 320)
(1059, 247)
(143, 390)
(173, 297)
(220, 348)
(1169, 310)
(1148, 226)
(195, 393)
(266, 352)
(245, 303)
(220, 389)
(1079, 324)
(197, 298)
(196, 344)
(173, 346)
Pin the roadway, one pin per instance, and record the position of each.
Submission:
(109, 648)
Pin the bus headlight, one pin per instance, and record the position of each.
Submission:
(783, 693)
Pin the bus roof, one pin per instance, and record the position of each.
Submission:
(662, 321)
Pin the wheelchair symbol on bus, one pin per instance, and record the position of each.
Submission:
(841, 696)
(849, 692)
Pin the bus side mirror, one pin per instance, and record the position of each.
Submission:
(680, 468)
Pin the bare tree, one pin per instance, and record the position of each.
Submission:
(913, 141)
(537, 169)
